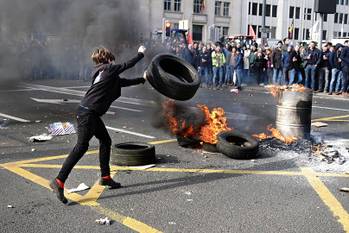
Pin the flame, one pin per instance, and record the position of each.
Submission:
(275, 133)
(214, 122)
(275, 90)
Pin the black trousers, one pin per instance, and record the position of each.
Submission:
(89, 125)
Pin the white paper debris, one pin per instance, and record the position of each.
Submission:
(319, 124)
(33, 149)
(189, 200)
(344, 190)
(143, 167)
(61, 128)
(172, 223)
(81, 187)
(187, 193)
(40, 138)
(10, 206)
(103, 221)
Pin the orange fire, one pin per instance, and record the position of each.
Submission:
(275, 90)
(214, 122)
(275, 133)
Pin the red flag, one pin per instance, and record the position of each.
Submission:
(251, 32)
(189, 38)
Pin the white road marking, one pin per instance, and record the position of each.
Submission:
(76, 87)
(334, 109)
(81, 94)
(130, 132)
(14, 118)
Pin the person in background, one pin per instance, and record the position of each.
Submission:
(204, 58)
(195, 51)
(252, 61)
(276, 60)
(335, 65)
(313, 58)
(218, 61)
(344, 58)
(297, 65)
(246, 53)
(268, 57)
(239, 68)
(324, 70)
(233, 65)
(260, 68)
(227, 66)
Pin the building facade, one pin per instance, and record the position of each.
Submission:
(209, 19)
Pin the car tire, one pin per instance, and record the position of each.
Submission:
(237, 145)
(133, 154)
(173, 77)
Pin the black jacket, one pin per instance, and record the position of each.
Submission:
(104, 92)
(276, 58)
(345, 59)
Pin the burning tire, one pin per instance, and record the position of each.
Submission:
(237, 145)
(173, 77)
(133, 154)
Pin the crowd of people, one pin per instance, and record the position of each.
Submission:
(237, 64)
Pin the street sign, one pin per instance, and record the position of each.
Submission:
(264, 30)
(183, 24)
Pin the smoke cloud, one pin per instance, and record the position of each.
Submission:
(54, 38)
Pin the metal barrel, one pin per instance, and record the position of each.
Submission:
(293, 113)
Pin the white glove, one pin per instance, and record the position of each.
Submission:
(145, 75)
(142, 49)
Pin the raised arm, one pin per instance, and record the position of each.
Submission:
(131, 63)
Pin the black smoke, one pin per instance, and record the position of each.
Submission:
(54, 38)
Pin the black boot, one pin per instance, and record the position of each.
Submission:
(110, 183)
(58, 191)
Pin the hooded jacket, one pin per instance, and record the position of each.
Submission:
(106, 85)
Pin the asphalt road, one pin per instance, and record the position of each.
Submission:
(187, 191)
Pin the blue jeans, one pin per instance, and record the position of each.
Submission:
(293, 74)
(229, 71)
(310, 75)
(203, 72)
(239, 77)
(218, 78)
(336, 80)
(277, 76)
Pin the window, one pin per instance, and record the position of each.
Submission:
(336, 18)
(296, 33)
(325, 17)
(217, 8)
(309, 14)
(346, 2)
(197, 32)
(346, 18)
(340, 18)
(167, 5)
(254, 8)
(275, 9)
(260, 9)
(324, 35)
(291, 12)
(226, 6)
(198, 6)
(298, 12)
(225, 31)
(306, 34)
(335, 34)
(342, 2)
(344, 34)
(177, 5)
(267, 11)
(249, 8)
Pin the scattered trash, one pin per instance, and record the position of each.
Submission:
(189, 200)
(142, 167)
(331, 153)
(187, 193)
(10, 206)
(33, 149)
(344, 190)
(235, 90)
(4, 123)
(81, 187)
(40, 138)
(38, 121)
(172, 223)
(61, 128)
(319, 124)
(103, 221)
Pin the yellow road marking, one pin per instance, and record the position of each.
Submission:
(331, 118)
(186, 170)
(328, 198)
(337, 120)
(125, 220)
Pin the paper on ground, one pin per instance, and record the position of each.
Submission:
(81, 187)
(319, 124)
(142, 167)
(41, 138)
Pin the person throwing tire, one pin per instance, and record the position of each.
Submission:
(105, 89)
